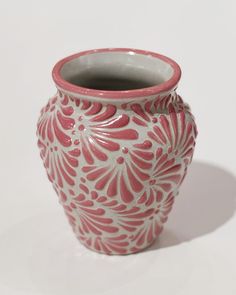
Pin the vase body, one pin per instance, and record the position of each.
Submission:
(116, 164)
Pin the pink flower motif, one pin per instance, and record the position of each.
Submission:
(175, 133)
(126, 175)
(168, 104)
(92, 219)
(54, 124)
(146, 112)
(60, 159)
(129, 218)
(143, 114)
(167, 173)
(60, 166)
(154, 225)
(100, 130)
(164, 206)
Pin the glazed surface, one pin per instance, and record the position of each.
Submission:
(116, 167)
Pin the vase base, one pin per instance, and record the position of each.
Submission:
(117, 250)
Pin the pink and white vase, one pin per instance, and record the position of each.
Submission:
(116, 141)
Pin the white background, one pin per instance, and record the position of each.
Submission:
(196, 254)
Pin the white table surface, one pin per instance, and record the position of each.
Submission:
(196, 253)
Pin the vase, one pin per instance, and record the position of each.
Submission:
(116, 141)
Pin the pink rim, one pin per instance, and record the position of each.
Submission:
(163, 87)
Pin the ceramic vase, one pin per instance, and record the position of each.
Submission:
(116, 141)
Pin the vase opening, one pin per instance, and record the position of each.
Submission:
(112, 72)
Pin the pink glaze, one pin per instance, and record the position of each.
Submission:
(116, 164)
(165, 86)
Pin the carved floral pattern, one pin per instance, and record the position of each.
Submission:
(116, 167)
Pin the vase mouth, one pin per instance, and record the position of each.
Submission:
(155, 73)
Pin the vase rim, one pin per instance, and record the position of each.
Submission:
(165, 86)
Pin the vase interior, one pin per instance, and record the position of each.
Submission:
(116, 71)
